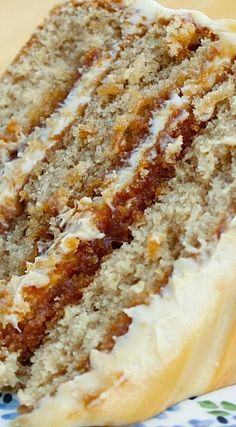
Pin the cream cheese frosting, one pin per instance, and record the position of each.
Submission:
(216, 9)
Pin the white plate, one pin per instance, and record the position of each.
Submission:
(214, 410)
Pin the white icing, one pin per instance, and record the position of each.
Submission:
(6, 148)
(147, 10)
(65, 216)
(82, 229)
(227, 140)
(163, 309)
(31, 159)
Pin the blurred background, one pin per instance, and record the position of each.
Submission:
(18, 18)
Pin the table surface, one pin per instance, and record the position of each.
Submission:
(18, 18)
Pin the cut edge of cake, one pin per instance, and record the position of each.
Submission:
(188, 327)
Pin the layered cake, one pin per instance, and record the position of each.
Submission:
(117, 213)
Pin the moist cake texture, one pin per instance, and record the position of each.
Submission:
(118, 169)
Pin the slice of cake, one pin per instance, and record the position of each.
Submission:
(117, 213)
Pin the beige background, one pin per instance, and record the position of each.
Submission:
(18, 18)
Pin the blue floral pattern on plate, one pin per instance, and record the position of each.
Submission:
(213, 410)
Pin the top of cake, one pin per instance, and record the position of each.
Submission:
(215, 9)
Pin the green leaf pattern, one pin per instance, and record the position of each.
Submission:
(224, 409)
(228, 406)
(219, 413)
(208, 404)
